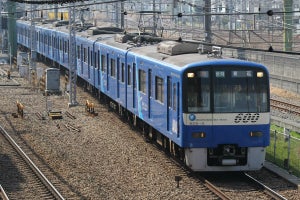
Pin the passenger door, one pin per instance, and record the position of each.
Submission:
(172, 106)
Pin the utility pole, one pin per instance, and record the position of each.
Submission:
(122, 15)
(1, 30)
(288, 23)
(207, 21)
(154, 18)
(72, 56)
(33, 39)
(12, 36)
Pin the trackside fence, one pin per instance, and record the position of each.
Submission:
(284, 151)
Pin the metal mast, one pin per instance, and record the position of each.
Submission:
(288, 22)
(207, 22)
(33, 39)
(11, 25)
(72, 56)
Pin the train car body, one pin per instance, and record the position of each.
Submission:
(213, 113)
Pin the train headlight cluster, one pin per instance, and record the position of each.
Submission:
(191, 75)
(260, 74)
(199, 135)
(255, 134)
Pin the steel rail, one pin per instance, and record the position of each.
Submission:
(268, 190)
(3, 194)
(36, 170)
(216, 190)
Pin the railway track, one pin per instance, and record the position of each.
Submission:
(214, 190)
(240, 185)
(285, 107)
(265, 189)
(18, 162)
(3, 195)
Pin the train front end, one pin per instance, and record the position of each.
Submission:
(226, 116)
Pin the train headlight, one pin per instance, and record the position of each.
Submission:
(260, 74)
(199, 135)
(256, 134)
(191, 75)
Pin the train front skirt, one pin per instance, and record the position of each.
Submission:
(197, 160)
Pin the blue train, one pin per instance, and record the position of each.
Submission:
(212, 113)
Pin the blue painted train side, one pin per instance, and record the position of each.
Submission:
(161, 94)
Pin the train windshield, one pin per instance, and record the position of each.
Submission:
(223, 90)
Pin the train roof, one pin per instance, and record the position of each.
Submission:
(185, 52)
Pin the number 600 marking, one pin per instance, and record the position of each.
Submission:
(246, 117)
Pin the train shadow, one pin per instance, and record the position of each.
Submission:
(11, 178)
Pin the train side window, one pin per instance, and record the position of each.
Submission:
(78, 52)
(169, 92)
(134, 75)
(98, 59)
(60, 45)
(95, 60)
(142, 81)
(91, 58)
(159, 88)
(41, 38)
(113, 67)
(174, 93)
(123, 72)
(88, 56)
(150, 84)
(52, 41)
(38, 37)
(129, 75)
(103, 63)
(65, 47)
(45, 40)
(84, 55)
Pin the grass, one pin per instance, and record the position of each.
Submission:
(283, 148)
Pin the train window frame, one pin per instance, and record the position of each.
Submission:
(84, 54)
(134, 75)
(150, 83)
(95, 60)
(78, 52)
(46, 39)
(38, 37)
(65, 47)
(169, 92)
(129, 75)
(52, 41)
(175, 96)
(60, 45)
(122, 72)
(112, 67)
(159, 88)
(243, 93)
(142, 81)
(98, 60)
(91, 57)
(88, 56)
(195, 81)
(103, 62)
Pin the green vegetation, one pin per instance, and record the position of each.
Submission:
(281, 129)
(284, 151)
